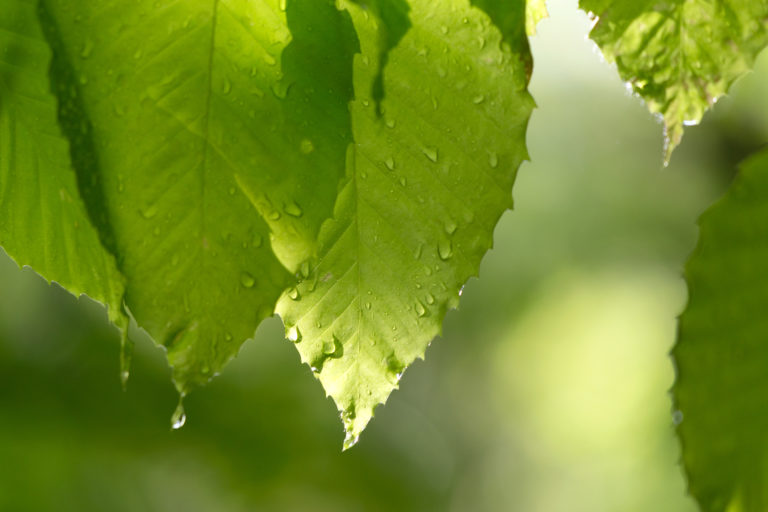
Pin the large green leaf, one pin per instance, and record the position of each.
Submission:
(427, 182)
(722, 351)
(44, 223)
(208, 130)
(680, 56)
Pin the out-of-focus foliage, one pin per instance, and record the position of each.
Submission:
(721, 354)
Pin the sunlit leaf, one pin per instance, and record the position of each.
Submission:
(210, 132)
(680, 56)
(427, 182)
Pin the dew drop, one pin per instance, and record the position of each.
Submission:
(430, 299)
(421, 311)
(247, 280)
(294, 293)
(294, 334)
(367, 305)
(306, 146)
(493, 159)
(390, 123)
(293, 209)
(478, 99)
(85, 52)
(304, 269)
(450, 227)
(390, 163)
(403, 181)
(430, 153)
(418, 251)
(445, 249)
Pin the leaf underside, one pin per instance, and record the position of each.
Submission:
(680, 56)
(188, 163)
(427, 181)
(721, 355)
(211, 134)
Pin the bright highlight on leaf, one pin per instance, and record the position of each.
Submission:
(721, 356)
(427, 182)
(680, 56)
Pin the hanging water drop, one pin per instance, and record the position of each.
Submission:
(294, 293)
(179, 417)
(421, 311)
(430, 153)
(390, 163)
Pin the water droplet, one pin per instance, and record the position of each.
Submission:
(150, 212)
(293, 209)
(257, 240)
(227, 87)
(493, 159)
(390, 123)
(478, 99)
(294, 293)
(430, 299)
(304, 269)
(450, 227)
(179, 417)
(403, 181)
(430, 153)
(247, 280)
(421, 311)
(306, 146)
(418, 251)
(461, 291)
(85, 52)
(367, 305)
(274, 215)
(294, 334)
(445, 249)
(390, 163)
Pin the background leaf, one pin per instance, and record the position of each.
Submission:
(721, 354)
(680, 56)
(427, 182)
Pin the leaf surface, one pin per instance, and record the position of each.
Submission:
(680, 56)
(210, 131)
(427, 182)
(44, 223)
(721, 354)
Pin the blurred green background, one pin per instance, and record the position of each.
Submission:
(548, 392)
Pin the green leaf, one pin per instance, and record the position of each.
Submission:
(721, 354)
(44, 224)
(208, 130)
(506, 15)
(427, 182)
(680, 56)
(392, 23)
